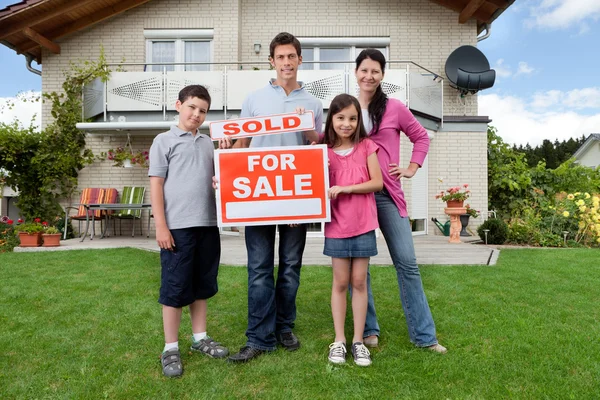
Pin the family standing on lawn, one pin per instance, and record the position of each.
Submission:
(363, 140)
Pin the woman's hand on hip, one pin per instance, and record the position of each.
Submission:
(398, 172)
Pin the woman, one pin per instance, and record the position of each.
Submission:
(384, 119)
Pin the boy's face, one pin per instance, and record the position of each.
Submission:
(286, 62)
(192, 113)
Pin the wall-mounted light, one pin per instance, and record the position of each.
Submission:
(257, 47)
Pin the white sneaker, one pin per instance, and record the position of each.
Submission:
(361, 354)
(438, 348)
(337, 353)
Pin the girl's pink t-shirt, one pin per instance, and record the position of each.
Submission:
(351, 214)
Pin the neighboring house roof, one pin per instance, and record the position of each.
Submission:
(593, 138)
(29, 25)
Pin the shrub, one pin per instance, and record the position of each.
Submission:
(498, 231)
(8, 237)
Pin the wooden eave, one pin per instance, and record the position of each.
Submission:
(29, 25)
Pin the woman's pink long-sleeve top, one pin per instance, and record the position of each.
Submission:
(397, 117)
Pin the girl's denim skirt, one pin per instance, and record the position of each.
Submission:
(364, 245)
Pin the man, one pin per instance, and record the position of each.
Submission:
(272, 305)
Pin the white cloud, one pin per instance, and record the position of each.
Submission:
(518, 121)
(524, 69)
(502, 71)
(562, 14)
(26, 112)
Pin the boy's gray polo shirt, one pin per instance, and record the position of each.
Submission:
(186, 163)
(271, 100)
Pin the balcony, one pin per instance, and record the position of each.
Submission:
(145, 100)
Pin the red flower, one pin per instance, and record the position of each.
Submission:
(10, 222)
(20, 220)
(45, 223)
(37, 220)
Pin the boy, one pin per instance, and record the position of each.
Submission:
(272, 305)
(183, 204)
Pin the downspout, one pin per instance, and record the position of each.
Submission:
(29, 60)
(488, 30)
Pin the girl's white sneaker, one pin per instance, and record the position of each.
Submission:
(337, 353)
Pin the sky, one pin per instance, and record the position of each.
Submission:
(545, 53)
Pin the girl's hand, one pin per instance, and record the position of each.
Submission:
(300, 110)
(225, 143)
(215, 183)
(335, 191)
(398, 172)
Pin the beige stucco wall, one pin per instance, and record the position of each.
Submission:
(419, 30)
(591, 157)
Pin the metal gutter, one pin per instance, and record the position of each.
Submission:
(126, 126)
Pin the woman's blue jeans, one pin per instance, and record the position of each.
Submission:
(397, 233)
(272, 305)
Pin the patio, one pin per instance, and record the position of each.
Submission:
(430, 249)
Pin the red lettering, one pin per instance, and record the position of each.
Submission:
(231, 128)
(257, 126)
(291, 122)
(268, 126)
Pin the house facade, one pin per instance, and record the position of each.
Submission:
(588, 154)
(161, 45)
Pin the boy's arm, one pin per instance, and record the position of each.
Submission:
(157, 198)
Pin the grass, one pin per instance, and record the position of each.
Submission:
(85, 324)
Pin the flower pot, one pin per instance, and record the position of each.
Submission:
(30, 239)
(464, 222)
(454, 203)
(127, 164)
(51, 239)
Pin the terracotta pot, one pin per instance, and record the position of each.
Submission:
(51, 239)
(30, 239)
(454, 203)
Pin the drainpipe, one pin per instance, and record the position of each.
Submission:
(29, 60)
(488, 29)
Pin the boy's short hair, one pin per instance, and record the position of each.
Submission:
(198, 91)
(285, 38)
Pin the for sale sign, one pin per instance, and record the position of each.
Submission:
(255, 126)
(275, 185)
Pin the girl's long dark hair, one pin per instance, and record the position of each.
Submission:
(340, 102)
(379, 101)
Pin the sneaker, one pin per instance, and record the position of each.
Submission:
(337, 353)
(245, 354)
(171, 363)
(361, 354)
(438, 348)
(288, 340)
(209, 347)
(371, 341)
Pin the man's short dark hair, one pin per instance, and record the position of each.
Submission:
(198, 91)
(285, 38)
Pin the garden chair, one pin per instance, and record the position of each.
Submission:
(88, 196)
(131, 195)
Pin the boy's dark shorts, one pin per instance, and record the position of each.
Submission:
(189, 272)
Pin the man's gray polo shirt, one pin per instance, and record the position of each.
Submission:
(186, 163)
(271, 100)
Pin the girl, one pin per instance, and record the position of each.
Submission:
(354, 174)
(384, 120)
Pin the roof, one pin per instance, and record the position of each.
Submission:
(594, 137)
(29, 25)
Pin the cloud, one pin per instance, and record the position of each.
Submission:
(521, 121)
(501, 70)
(562, 14)
(505, 71)
(576, 99)
(524, 69)
(25, 112)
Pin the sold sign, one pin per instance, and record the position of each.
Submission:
(277, 185)
(255, 126)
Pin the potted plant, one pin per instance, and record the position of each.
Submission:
(51, 237)
(464, 219)
(455, 196)
(30, 233)
(126, 157)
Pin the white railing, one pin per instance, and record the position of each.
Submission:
(420, 89)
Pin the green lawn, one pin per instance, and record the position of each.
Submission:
(86, 324)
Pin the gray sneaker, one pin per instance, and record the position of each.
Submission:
(209, 347)
(171, 363)
(361, 354)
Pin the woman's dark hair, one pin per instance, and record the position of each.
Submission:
(379, 101)
(340, 102)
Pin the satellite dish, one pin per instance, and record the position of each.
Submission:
(469, 71)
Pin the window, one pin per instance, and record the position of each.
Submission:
(337, 49)
(178, 46)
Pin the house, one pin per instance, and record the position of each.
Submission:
(164, 44)
(588, 153)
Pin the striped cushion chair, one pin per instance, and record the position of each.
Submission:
(88, 196)
(132, 195)
(107, 196)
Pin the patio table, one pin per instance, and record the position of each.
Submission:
(110, 207)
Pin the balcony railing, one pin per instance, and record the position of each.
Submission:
(229, 84)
